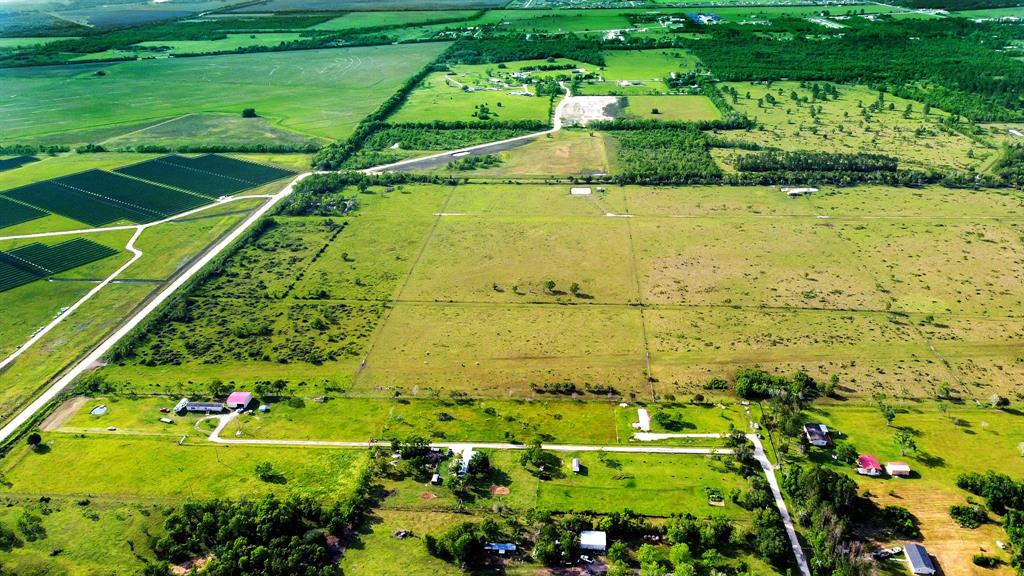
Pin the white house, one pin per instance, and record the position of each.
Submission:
(593, 540)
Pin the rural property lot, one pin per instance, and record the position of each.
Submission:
(319, 92)
(704, 280)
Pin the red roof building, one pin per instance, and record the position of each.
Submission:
(868, 465)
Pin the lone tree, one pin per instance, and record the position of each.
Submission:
(889, 413)
(549, 286)
(249, 113)
(575, 289)
(34, 440)
(905, 440)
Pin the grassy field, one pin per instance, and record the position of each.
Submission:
(163, 470)
(338, 88)
(440, 98)
(355, 20)
(376, 551)
(918, 141)
(808, 280)
(91, 536)
(963, 438)
(671, 108)
(638, 72)
(564, 153)
(211, 130)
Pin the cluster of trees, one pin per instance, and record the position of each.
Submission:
(30, 149)
(441, 135)
(825, 503)
(1010, 166)
(813, 162)
(522, 47)
(757, 384)
(258, 537)
(281, 148)
(463, 544)
(475, 162)
(665, 156)
(953, 64)
(1001, 492)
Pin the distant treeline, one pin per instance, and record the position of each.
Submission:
(954, 64)
(306, 148)
(520, 47)
(448, 135)
(805, 161)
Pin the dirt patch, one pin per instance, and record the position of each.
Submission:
(581, 110)
(428, 496)
(184, 567)
(62, 414)
(499, 490)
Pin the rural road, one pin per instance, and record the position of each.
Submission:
(442, 158)
(759, 455)
(86, 363)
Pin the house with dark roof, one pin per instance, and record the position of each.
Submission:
(817, 435)
(920, 561)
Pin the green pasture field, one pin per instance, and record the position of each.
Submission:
(1017, 12)
(672, 108)
(841, 129)
(563, 153)
(355, 20)
(646, 65)
(439, 99)
(28, 42)
(91, 536)
(232, 42)
(32, 306)
(160, 468)
(367, 5)
(340, 86)
(211, 130)
(554, 20)
(377, 551)
(705, 279)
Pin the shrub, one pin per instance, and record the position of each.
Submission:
(901, 521)
(986, 561)
(968, 515)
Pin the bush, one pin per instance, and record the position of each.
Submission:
(986, 561)
(901, 521)
(249, 113)
(968, 515)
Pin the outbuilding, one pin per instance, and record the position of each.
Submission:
(868, 465)
(579, 191)
(239, 400)
(897, 469)
(204, 407)
(920, 561)
(595, 540)
(575, 465)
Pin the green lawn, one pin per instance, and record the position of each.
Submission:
(672, 108)
(151, 468)
(319, 92)
(438, 98)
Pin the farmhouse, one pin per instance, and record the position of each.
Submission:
(239, 400)
(897, 469)
(920, 561)
(186, 405)
(817, 435)
(593, 540)
(868, 465)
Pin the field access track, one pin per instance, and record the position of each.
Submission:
(35, 261)
(211, 175)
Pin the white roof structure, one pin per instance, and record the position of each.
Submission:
(897, 469)
(593, 540)
(579, 191)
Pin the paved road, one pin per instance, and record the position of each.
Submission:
(442, 158)
(780, 503)
(90, 359)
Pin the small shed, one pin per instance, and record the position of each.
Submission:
(920, 561)
(467, 456)
(575, 465)
(595, 540)
(868, 465)
(579, 191)
(435, 479)
(238, 400)
(897, 469)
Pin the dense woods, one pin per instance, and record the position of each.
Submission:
(664, 155)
